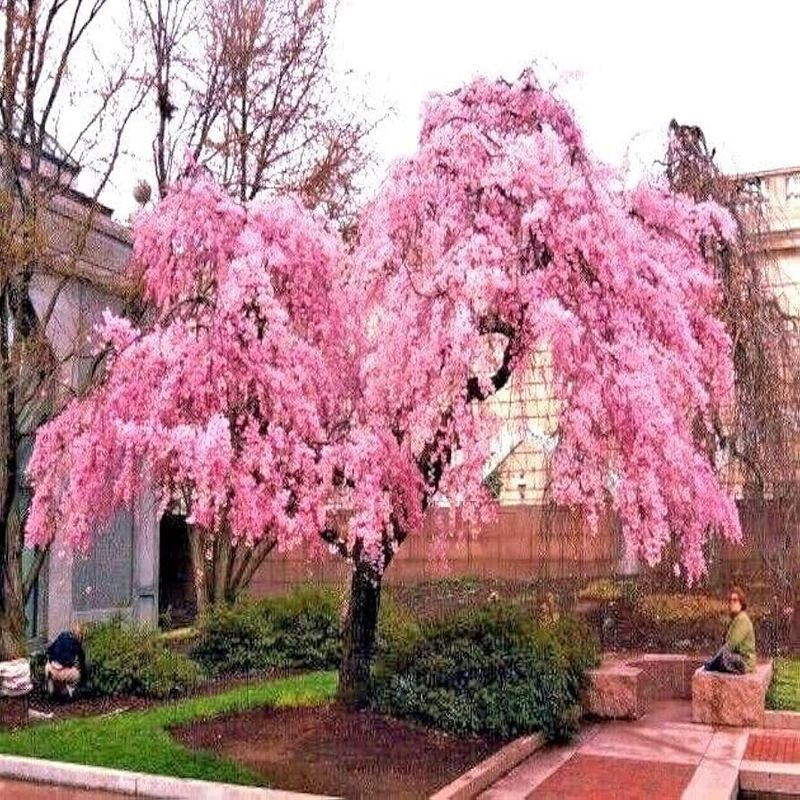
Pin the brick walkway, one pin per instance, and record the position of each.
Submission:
(22, 790)
(663, 755)
(603, 778)
(781, 747)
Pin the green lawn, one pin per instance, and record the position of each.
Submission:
(140, 741)
(784, 693)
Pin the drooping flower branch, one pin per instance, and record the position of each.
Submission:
(282, 376)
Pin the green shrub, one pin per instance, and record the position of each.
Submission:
(398, 634)
(299, 630)
(236, 638)
(306, 625)
(611, 590)
(122, 658)
(604, 590)
(493, 670)
(632, 592)
(179, 637)
(580, 648)
(667, 608)
(169, 674)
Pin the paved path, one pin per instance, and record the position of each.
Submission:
(664, 755)
(22, 790)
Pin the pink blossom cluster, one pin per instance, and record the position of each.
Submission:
(502, 224)
(225, 399)
(285, 375)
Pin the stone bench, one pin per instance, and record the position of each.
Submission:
(669, 675)
(616, 690)
(623, 688)
(737, 700)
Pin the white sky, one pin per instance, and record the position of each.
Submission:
(626, 67)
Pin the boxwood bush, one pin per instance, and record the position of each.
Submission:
(299, 630)
(492, 670)
(235, 638)
(122, 658)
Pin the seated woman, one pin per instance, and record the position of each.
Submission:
(738, 654)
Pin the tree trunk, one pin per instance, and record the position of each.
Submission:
(12, 627)
(12, 616)
(12, 610)
(358, 636)
(794, 634)
(197, 550)
(244, 563)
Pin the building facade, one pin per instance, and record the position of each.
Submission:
(89, 253)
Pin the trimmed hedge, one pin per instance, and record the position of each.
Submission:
(299, 630)
(122, 658)
(492, 670)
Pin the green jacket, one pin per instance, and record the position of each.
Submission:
(741, 639)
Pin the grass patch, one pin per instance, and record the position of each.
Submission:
(140, 740)
(784, 691)
(179, 635)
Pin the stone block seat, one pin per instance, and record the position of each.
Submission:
(616, 690)
(623, 688)
(735, 700)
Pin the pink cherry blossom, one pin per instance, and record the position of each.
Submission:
(502, 225)
(225, 398)
(283, 377)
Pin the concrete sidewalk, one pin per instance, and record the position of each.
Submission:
(34, 777)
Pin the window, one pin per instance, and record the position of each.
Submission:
(793, 186)
(762, 188)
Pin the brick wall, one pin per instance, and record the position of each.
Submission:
(521, 544)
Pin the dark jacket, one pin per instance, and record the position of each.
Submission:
(67, 650)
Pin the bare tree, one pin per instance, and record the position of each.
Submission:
(759, 442)
(246, 88)
(45, 232)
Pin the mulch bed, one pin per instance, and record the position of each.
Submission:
(331, 750)
(14, 711)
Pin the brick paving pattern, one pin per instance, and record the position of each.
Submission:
(600, 778)
(783, 748)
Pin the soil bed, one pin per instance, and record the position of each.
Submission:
(330, 750)
(14, 711)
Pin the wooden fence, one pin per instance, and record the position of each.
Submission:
(524, 542)
(527, 542)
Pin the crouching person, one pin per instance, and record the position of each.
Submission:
(65, 667)
(738, 654)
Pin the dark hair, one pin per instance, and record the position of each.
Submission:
(740, 594)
